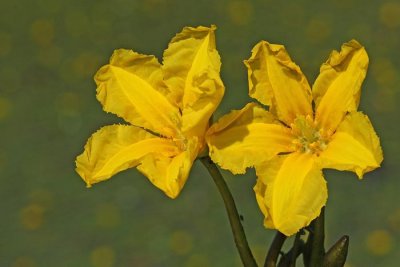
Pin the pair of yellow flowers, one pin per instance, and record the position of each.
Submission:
(169, 106)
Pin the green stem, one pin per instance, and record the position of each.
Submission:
(275, 250)
(296, 250)
(289, 259)
(317, 241)
(234, 219)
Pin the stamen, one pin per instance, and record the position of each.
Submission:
(180, 141)
(309, 137)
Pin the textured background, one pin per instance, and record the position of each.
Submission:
(49, 51)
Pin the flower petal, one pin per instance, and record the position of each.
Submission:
(338, 86)
(131, 87)
(170, 174)
(191, 69)
(247, 137)
(275, 80)
(290, 192)
(354, 147)
(118, 147)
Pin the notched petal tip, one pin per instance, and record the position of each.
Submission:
(337, 89)
(129, 60)
(199, 32)
(275, 80)
(346, 52)
(191, 69)
(355, 146)
(115, 148)
(244, 138)
(125, 57)
(132, 87)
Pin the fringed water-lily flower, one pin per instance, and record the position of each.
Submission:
(303, 132)
(168, 107)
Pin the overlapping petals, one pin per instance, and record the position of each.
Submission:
(354, 147)
(276, 81)
(337, 89)
(168, 106)
(170, 173)
(115, 148)
(131, 87)
(290, 145)
(191, 70)
(238, 140)
(290, 190)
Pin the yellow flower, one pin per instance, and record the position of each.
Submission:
(303, 132)
(168, 107)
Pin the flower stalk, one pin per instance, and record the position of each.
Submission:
(237, 229)
(317, 240)
(275, 250)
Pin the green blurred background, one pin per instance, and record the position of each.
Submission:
(49, 52)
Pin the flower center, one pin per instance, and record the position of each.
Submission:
(180, 141)
(308, 137)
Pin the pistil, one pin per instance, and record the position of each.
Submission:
(309, 138)
(180, 141)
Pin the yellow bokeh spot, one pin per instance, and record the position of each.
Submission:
(379, 242)
(102, 256)
(181, 242)
(389, 14)
(24, 262)
(68, 106)
(107, 216)
(384, 72)
(86, 64)
(240, 12)
(42, 32)
(5, 107)
(68, 103)
(293, 14)
(5, 44)
(154, 8)
(197, 260)
(318, 30)
(32, 216)
(394, 220)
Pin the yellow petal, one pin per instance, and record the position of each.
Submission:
(275, 80)
(290, 192)
(118, 147)
(354, 147)
(131, 87)
(247, 137)
(337, 88)
(170, 174)
(191, 70)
